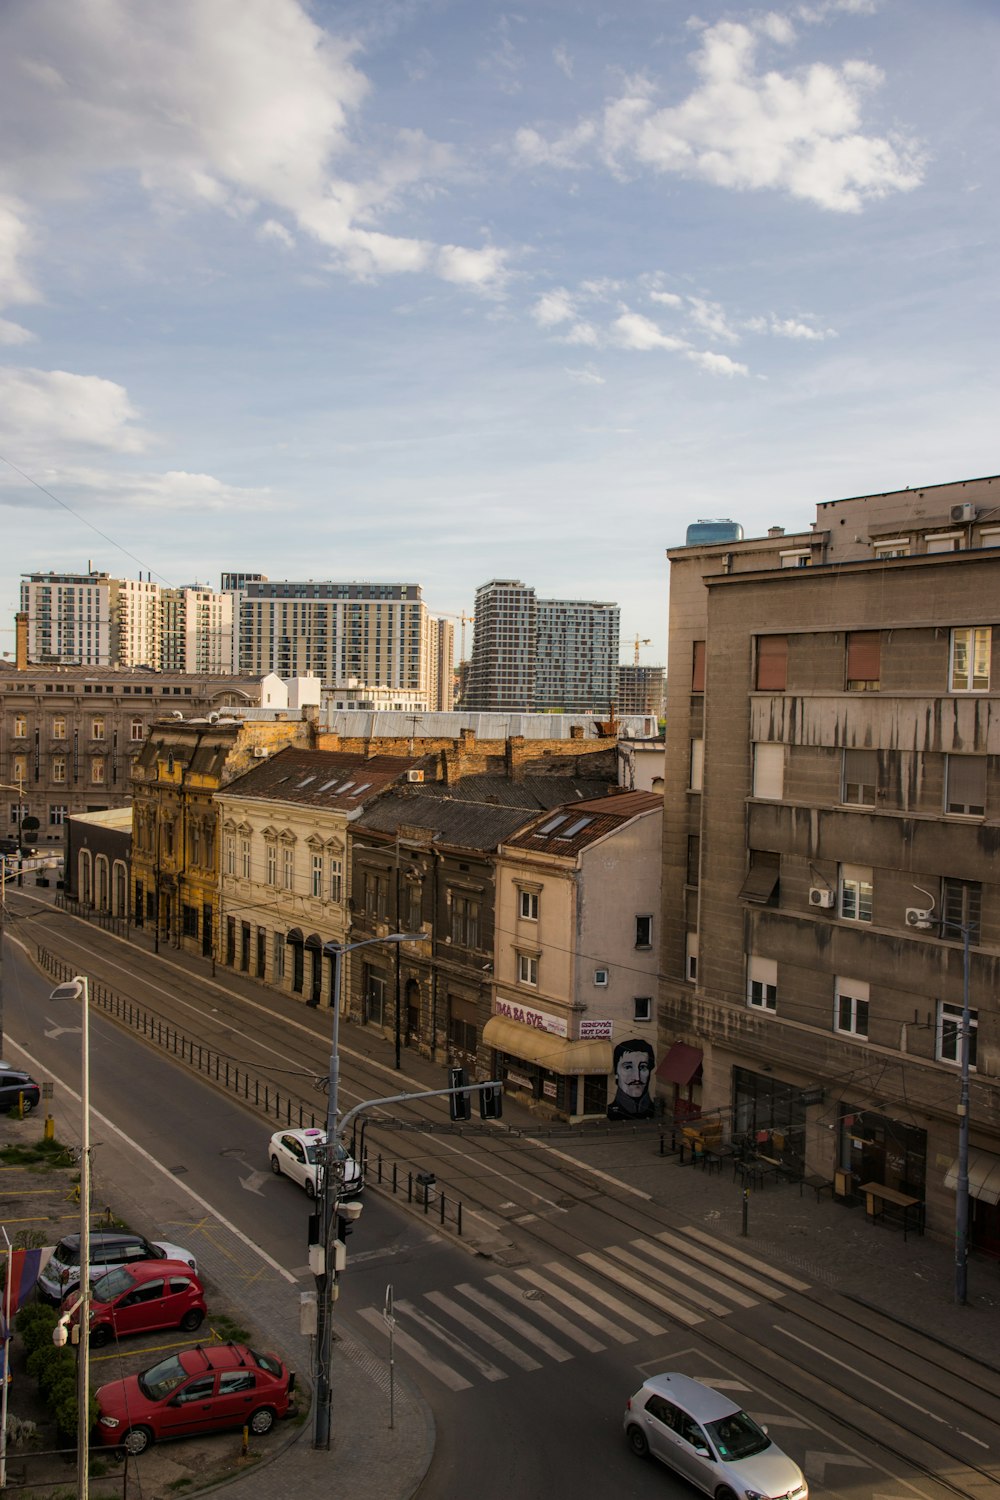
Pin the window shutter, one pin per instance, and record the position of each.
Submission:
(864, 656)
(967, 783)
(772, 663)
(698, 667)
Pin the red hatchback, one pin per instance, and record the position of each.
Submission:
(139, 1298)
(204, 1389)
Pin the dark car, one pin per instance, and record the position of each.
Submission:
(108, 1248)
(14, 1083)
(200, 1390)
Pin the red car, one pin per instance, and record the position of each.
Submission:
(204, 1389)
(138, 1298)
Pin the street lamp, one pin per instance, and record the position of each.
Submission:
(330, 1189)
(79, 989)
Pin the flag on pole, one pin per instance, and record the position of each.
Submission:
(23, 1269)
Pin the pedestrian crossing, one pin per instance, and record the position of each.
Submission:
(524, 1319)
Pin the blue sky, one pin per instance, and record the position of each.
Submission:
(437, 291)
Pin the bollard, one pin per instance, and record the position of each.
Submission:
(746, 1211)
(50, 1128)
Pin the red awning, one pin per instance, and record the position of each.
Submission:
(680, 1064)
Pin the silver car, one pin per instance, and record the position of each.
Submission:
(707, 1439)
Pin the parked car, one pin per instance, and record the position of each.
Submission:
(13, 1083)
(199, 1390)
(296, 1154)
(108, 1249)
(708, 1440)
(139, 1298)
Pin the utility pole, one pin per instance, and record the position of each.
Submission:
(962, 1185)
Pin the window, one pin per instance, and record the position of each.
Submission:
(57, 814)
(769, 771)
(961, 902)
(189, 921)
(864, 661)
(762, 983)
(693, 859)
(288, 869)
(762, 878)
(698, 667)
(799, 558)
(20, 727)
(272, 864)
(136, 730)
(897, 546)
(97, 771)
(245, 858)
(860, 777)
(59, 728)
(772, 663)
(318, 874)
(642, 1008)
(949, 1033)
(375, 997)
(944, 541)
(278, 955)
(20, 769)
(465, 921)
(851, 1007)
(414, 906)
(195, 844)
(97, 727)
(336, 881)
(601, 978)
(691, 957)
(970, 659)
(856, 893)
(966, 785)
(527, 969)
(696, 763)
(59, 769)
(528, 905)
(230, 854)
(644, 932)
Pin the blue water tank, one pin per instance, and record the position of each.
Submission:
(703, 533)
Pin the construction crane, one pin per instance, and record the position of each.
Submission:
(639, 643)
(465, 620)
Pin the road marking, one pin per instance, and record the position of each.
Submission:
(620, 1310)
(549, 1315)
(695, 1272)
(580, 1309)
(151, 1161)
(476, 1325)
(732, 1273)
(410, 1346)
(641, 1289)
(707, 1304)
(817, 1463)
(860, 1375)
(463, 1350)
(781, 1277)
(520, 1325)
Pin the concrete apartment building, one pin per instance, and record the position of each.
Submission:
(376, 633)
(549, 655)
(832, 794)
(641, 690)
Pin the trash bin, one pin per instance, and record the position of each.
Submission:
(425, 1181)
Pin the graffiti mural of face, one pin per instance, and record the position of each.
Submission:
(632, 1075)
(633, 1065)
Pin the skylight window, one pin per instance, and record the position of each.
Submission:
(574, 828)
(328, 784)
(552, 823)
(307, 781)
(362, 788)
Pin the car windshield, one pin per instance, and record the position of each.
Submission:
(111, 1285)
(162, 1378)
(738, 1436)
(268, 1363)
(68, 1252)
(314, 1153)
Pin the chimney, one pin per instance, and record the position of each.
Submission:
(775, 531)
(21, 641)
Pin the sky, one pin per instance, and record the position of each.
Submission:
(439, 291)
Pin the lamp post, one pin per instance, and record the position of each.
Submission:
(79, 989)
(329, 1194)
(962, 1185)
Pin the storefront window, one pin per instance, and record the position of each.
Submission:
(876, 1148)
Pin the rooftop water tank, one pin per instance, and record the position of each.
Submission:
(704, 532)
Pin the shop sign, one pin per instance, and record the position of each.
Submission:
(539, 1019)
(550, 1088)
(596, 1031)
(519, 1080)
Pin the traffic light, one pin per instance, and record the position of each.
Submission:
(491, 1102)
(460, 1105)
(345, 1227)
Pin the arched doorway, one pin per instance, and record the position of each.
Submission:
(412, 1013)
(294, 940)
(314, 945)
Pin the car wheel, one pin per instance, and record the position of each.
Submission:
(724, 1493)
(310, 1188)
(192, 1319)
(29, 1105)
(137, 1440)
(275, 1166)
(637, 1442)
(100, 1336)
(261, 1421)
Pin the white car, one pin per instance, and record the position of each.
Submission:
(297, 1154)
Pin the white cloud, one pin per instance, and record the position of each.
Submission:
(563, 60)
(233, 104)
(478, 268)
(634, 331)
(716, 364)
(792, 328)
(13, 333)
(272, 230)
(554, 307)
(15, 242)
(585, 375)
(710, 317)
(582, 333)
(42, 408)
(668, 299)
(800, 132)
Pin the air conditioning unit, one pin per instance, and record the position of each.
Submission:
(821, 896)
(916, 916)
(414, 775)
(964, 512)
(260, 752)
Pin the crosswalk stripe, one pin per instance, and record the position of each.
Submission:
(641, 1289)
(695, 1272)
(520, 1325)
(680, 1288)
(781, 1277)
(612, 1304)
(443, 1372)
(476, 1325)
(733, 1273)
(455, 1345)
(549, 1315)
(580, 1309)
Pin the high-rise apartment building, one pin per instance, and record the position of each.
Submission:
(641, 690)
(532, 654)
(830, 891)
(69, 618)
(197, 630)
(378, 633)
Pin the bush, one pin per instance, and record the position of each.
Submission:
(35, 1322)
(54, 1369)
